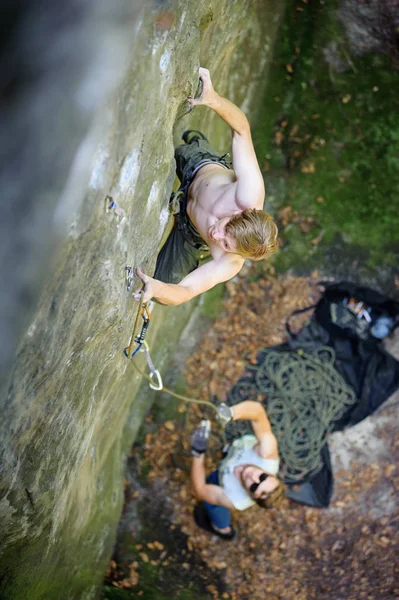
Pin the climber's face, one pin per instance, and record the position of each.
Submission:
(258, 483)
(217, 233)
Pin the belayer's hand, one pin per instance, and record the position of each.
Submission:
(148, 286)
(208, 93)
(225, 413)
(199, 440)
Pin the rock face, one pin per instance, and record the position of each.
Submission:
(94, 103)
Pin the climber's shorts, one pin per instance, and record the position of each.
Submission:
(191, 157)
(184, 248)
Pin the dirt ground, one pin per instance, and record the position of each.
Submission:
(348, 551)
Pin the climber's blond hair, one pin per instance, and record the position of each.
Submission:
(255, 233)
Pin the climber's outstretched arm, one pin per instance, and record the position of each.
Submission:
(250, 188)
(249, 410)
(201, 280)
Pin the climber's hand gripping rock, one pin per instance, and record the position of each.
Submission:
(208, 94)
(150, 286)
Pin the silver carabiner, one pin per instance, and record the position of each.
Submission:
(159, 385)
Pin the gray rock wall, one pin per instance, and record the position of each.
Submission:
(104, 104)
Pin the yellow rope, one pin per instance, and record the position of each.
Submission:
(178, 396)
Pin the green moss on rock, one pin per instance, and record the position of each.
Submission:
(329, 144)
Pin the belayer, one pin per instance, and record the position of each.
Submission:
(220, 211)
(248, 473)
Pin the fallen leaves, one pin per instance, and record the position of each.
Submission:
(155, 545)
(254, 317)
(287, 215)
(126, 582)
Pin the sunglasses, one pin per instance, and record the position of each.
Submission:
(254, 486)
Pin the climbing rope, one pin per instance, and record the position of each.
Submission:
(178, 396)
(303, 395)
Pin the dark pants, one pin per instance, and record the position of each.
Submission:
(190, 156)
(219, 515)
(184, 247)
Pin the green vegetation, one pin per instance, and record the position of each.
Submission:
(151, 592)
(155, 571)
(328, 141)
(212, 301)
(152, 587)
(152, 584)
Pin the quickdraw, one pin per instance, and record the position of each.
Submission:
(137, 341)
(138, 344)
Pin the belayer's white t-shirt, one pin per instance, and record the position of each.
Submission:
(241, 452)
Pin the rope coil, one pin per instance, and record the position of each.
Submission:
(303, 395)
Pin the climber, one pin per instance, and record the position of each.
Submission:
(220, 211)
(247, 475)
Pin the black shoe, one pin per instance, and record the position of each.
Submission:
(202, 519)
(192, 135)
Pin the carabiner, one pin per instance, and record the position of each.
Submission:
(129, 276)
(159, 385)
